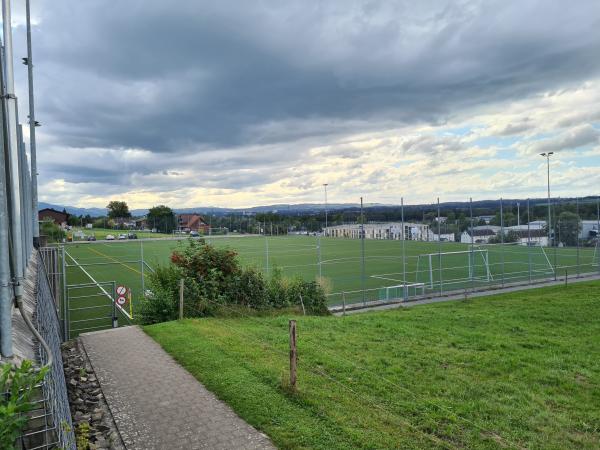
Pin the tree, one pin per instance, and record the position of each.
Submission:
(162, 218)
(567, 228)
(118, 209)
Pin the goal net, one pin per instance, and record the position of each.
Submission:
(401, 291)
(453, 268)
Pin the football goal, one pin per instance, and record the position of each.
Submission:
(399, 291)
(453, 268)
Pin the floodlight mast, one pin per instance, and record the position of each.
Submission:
(547, 155)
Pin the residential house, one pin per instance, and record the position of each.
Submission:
(192, 222)
(480, 234)
(60, 218)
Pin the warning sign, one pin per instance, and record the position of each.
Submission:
(121, 290)
(121, 300)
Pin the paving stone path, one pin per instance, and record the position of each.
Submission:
(156, 403)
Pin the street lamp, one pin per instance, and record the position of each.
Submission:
(547, 155)
(325, 187)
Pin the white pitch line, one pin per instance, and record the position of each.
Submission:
(99, 285)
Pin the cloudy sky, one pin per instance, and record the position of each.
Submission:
(242, 103)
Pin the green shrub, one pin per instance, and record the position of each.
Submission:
(214, 281)
(162, 304)
(53, 232)
(17, 385)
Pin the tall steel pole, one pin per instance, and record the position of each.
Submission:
(6, 297)
(325, 187)
(13, 150)
(550, 239)
(32, 125)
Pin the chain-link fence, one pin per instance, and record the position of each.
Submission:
(438, 250)
(57, 421)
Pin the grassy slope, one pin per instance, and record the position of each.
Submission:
(521, 369)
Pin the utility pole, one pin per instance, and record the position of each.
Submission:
(32, 125)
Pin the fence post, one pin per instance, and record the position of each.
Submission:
(293, 354)
(362, 246)
(343, 303)
(566, 276)
(142, 267)
(115, 319)
(181, 299)
(65, 293)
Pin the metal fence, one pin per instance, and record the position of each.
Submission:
(485, 246)
(58, 425)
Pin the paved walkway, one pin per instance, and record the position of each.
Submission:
(156, 403)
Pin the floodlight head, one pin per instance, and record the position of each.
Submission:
(550, 153)
(25, 61)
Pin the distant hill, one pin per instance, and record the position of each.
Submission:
(308, 208)
(281, 208)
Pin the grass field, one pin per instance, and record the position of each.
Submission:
(341, 262)
(519, 370)
(121, 262)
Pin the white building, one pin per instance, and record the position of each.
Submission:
(589, 229)
(481, 234)
(387, 230)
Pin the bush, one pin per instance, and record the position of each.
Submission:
(53, 232)
(162, 304)
(215, 281)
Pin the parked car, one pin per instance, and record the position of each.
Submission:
(194, 234)
(110, 237)
(91, 238)
(122, 237)
(131, 236)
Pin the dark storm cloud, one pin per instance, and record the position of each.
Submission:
(208, 79)
(193, 76)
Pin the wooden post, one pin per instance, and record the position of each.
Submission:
(293, 354)
(343, 303)
(181, 299)
(566, 276)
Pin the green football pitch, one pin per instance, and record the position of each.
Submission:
(427, 267)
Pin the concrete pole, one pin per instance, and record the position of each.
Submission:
(13, 149)
(32, 124)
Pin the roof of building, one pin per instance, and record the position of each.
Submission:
(482, 231)
(190, 220)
